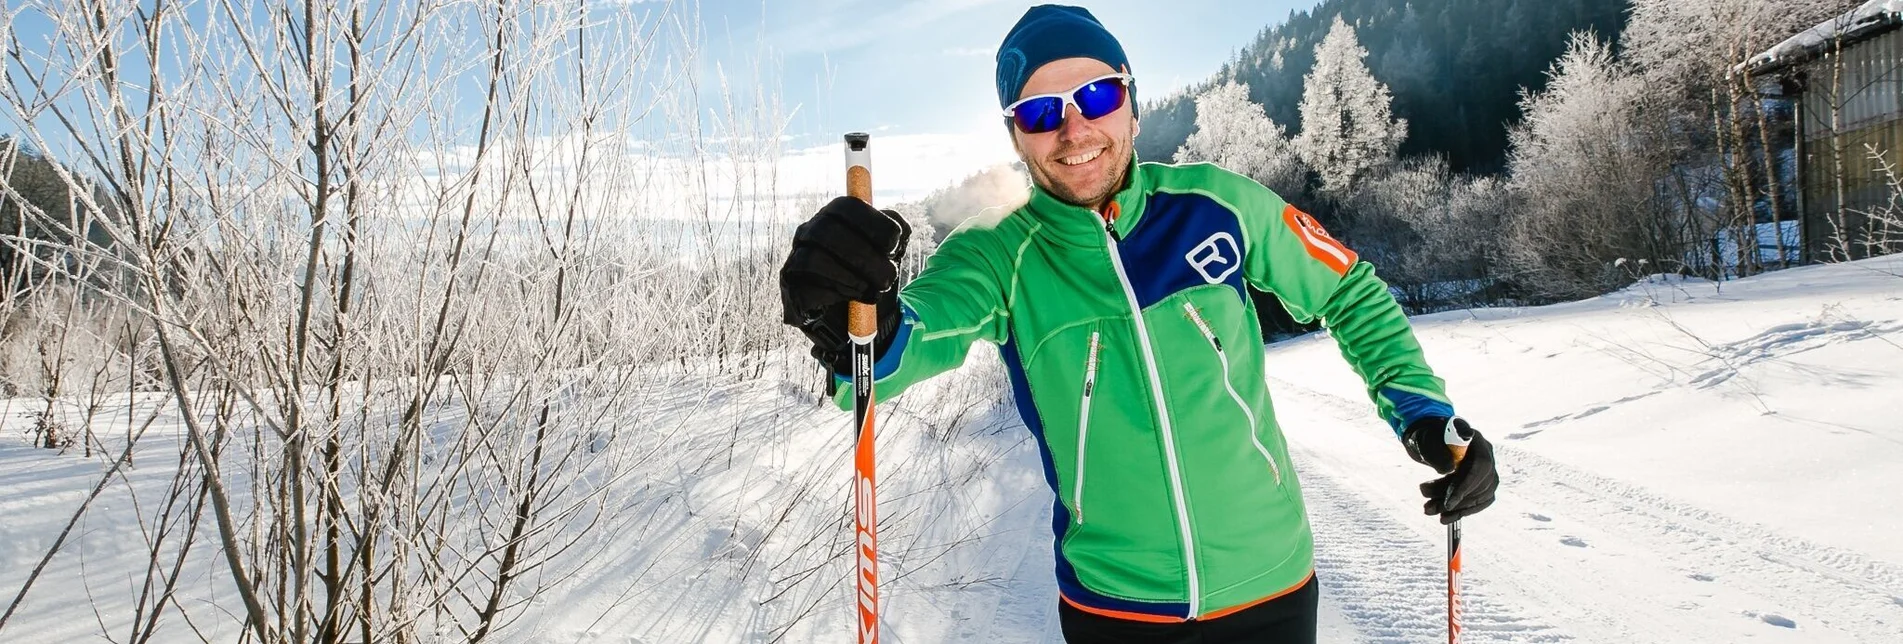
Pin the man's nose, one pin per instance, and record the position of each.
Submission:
(1072, 126)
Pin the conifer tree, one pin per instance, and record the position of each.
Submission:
(1235, 133)
(1348, 129)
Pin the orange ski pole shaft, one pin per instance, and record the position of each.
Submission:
(1453, 562)
(862, 324)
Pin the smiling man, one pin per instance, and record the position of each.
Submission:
(1117, 297)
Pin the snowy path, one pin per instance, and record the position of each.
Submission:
(1680, 462)
(1564, 554)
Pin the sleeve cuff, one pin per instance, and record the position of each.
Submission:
(1410, 407)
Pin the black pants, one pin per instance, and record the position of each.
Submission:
(1289, 619)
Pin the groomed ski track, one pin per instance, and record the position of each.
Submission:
(1563, 555)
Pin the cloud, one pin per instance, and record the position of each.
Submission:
(839, 30)
(975, 52)
(905, 167)
(630, 181)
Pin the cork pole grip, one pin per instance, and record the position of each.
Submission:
(859, 183)
(862, 320)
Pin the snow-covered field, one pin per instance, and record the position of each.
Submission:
(1680, 463)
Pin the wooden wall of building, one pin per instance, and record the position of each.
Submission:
(1871, 98)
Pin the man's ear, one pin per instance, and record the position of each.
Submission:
(1136, 127)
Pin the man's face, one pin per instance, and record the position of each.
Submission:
(1084, 161)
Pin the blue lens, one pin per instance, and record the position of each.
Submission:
(1094, 100)
(1039, 115)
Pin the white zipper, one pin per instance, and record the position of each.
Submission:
(1083, 424)
(1210, 335)
(1163, 419)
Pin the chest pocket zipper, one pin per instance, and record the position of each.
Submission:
(1216, 344)
(1083, 423)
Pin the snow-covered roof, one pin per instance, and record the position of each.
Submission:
(1871, 16)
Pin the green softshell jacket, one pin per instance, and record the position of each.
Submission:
(1135, 358)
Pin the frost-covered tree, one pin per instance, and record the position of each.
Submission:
(1235, 133)
(1693, 55)
(1586, 179)
(1348, 129)
(922, 243)
(1687, 45)
(1431, 231)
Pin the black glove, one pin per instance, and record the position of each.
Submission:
(1467, 488)
(849, 251)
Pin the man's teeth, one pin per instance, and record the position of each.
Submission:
(1081, 158)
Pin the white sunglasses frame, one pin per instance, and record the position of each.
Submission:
(1069, 97)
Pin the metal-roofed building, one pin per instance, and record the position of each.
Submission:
(1846, 76)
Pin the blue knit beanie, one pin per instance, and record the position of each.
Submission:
(1053, 32)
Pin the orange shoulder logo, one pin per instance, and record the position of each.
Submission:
(1316, 240)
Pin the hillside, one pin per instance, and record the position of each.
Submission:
(1456, 68)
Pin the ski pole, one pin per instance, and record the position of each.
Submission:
(862, 325)
(1456, 445)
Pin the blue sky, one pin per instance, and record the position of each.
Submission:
(916, 73)
(925, 66)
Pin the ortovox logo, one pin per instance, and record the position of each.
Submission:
(1320, 246)
(1216, 258)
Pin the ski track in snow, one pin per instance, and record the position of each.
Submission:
(1386, 580)
(1625, 539)
(1025, 560)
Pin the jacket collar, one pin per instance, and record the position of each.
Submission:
(1080, 226)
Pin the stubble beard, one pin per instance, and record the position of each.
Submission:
(1114, 175)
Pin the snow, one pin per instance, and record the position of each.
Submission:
(1681, 461)
(1850, 22)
